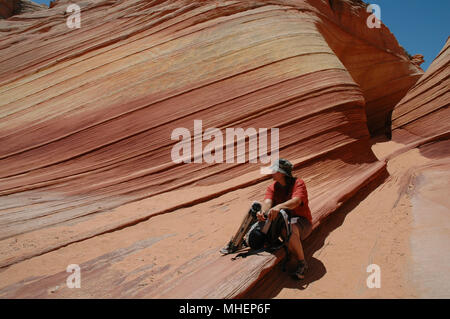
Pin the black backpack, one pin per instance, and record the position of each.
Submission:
(259, 236)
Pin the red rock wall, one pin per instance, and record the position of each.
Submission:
(424, 112)
(372, 56)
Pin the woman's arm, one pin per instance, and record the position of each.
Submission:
(293, 203)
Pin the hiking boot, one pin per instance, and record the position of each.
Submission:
(301, 269)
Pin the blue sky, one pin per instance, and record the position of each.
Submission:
(420, 26)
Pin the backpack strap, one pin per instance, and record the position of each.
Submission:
(287, 222)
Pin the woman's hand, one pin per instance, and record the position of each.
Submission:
(273, 213)
(260, 216)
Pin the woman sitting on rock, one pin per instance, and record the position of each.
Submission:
(289, 193)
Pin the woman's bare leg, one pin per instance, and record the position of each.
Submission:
(295, 244)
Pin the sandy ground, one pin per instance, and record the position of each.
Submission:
(401, 225)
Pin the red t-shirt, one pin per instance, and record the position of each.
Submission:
(278, 194)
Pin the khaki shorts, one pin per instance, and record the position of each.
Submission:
(304, 224)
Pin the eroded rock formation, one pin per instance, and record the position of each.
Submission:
(418, 59)
(424, 112)
(87, 114)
